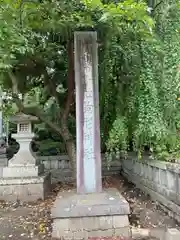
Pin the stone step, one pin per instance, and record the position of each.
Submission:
(156, 233)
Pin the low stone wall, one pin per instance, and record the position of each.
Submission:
(59, 166)
(161, 180)
(25, 189)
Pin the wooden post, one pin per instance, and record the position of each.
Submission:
(87, 113)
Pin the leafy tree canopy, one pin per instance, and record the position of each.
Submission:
(138, 70)
(36, 51)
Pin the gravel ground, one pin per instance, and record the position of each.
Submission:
(33, 221)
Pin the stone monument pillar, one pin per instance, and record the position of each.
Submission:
(87, 113)
(23, 179)
(89, 211)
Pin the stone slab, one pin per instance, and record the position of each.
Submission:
(81, 216)
(25, 189)
(21, 171)
(107, 203)
(3, 160)
(58, 233)
(172, 234)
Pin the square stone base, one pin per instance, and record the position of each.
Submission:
(21, 171)
(25, 189)
(83, 216)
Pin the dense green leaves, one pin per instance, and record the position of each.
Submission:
(150, 103)
(138, 66)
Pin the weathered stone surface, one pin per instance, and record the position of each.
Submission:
(172, 234)
(120, 221)
(100, 233)
(25, 189)
(60, 169)
(119, 232)
(22, 171)
(122, 232)
(109, 202)
(78, 216)
(63, 228)
(3, 159)
(162, 182)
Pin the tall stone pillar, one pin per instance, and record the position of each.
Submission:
(87, 113)
(89, 211)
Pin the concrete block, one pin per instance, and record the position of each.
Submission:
(65, 235)
(178, 185)
(33, 189)
(90, 223)
(172, 234)
(75, 224)
(120, 221)
(47, 164)
(156, 176)
(150, 169)
(6, 190)
(22, 171)
(93, 215)
(29, 189)
(107, 203)
(171, 180)
(105, 222)
(20, 191)
(122, 232)
(141, 170)
(137, 169)
(101, 233)
(138, 233)
(157, 233)
(163, 177)
(146, 172)
(80, 235)
(54, 164)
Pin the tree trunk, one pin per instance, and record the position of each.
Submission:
(68, 139)
(71, 148)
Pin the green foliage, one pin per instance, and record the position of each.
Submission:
(149, 99)
(34, 40)
(118, 136)
(139, 59)
(50, 148)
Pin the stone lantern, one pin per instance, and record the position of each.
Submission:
(23, 179)
(23, 163)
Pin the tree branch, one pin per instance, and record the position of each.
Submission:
(69, 99)
(156, 6)
(52, 87)
(35, 111)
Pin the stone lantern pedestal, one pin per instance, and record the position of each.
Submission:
(3, 156)
(23, 179)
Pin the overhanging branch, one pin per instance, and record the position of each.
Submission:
(69, 99)
(35, 111)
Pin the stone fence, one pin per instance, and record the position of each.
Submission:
(161, 180)
(59, 166)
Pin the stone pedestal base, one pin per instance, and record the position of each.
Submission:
(25, 189)
(90, 215)
(21, 171)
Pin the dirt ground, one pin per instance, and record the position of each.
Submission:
(33, 221)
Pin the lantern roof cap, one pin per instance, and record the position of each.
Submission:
(22, 118)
